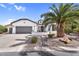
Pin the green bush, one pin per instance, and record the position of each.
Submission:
(34, 39)
(1, 32)
(68, 30)
(76, 30)
(50, 35)
(2, 29)
(70, 26)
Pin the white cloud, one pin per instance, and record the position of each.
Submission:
(20, 8)
(2, 5)
(10, 20)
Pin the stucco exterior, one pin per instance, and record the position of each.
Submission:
(23, 23)
(36, 27)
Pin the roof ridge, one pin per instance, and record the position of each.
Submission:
(23, 19)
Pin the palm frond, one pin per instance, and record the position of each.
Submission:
(50, 14)
(65, 8)
(61, 13)
(55, 10)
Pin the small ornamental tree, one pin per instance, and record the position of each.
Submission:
(2, 29)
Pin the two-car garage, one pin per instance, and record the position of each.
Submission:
(21, 30)
(22, 26)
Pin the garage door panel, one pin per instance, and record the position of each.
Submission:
(23, 29)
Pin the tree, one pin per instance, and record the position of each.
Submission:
(2, 29)
(71, 26)
(61, 14)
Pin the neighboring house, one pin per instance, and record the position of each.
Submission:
(22, 26)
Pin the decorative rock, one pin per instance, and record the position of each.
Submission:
(66, 39)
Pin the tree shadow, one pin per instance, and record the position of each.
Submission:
(24, 41)
(17, 44)
(21, 40)
(39, 53)
(67, 51)
(45, 53)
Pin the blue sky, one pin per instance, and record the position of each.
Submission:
(13, 11)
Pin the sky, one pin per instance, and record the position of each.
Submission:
(13, 11)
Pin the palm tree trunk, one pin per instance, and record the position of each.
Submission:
(60, 33)
(60, 30)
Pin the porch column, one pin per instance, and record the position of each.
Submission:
(14, 30)
(7, 30)
(34, 28)
(51, 28)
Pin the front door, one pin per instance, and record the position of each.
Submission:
(10, 30)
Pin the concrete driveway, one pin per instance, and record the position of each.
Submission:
(11, 44)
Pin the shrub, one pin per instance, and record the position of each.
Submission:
(1, 32)
(50, 35)
(76, 30)
(68, 30)
(3, 29)
(34, 39)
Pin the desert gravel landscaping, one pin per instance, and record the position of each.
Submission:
(54, 47)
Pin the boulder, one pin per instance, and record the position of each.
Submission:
(65, 39)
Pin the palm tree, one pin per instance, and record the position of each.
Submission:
(61, 14)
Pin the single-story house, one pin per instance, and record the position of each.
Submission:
(22, 26)
(25, 26)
